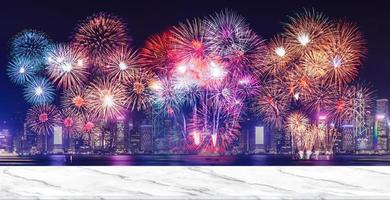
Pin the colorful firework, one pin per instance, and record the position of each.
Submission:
(166, 96)
(99, 36)
(42, 118)
(106, 99)
(70, 121)
(138, 89)
(213, 129)
(308, 30)
(344, 51)
(39, 91)
(121, 64)
(280, 53)
(228, 37)
(66, 66)
(157, 54)
(31, 45)
(20, 70)
(320, 98)
(188, 40)
(75, 99)
(272, 104)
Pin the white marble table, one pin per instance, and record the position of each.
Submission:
(194, 182)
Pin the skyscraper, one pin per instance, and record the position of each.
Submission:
(381, 125)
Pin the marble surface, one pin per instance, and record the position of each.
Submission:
(195, 182)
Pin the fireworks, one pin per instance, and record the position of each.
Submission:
(75, 99)
(66, 66)
(106, 99)
(70, 120)
(188, 40)
(121, 64)
(157, 54)
(20, 70)
(99, 36)
(139, 89)
(42, 118)
(228, 36)
(308, 30)
(272, 103)
(204, 73)
(344, 51)
(280, 54)
(31, 45)
(165, 95)
(39, 91)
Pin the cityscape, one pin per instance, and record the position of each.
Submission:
(208, 89)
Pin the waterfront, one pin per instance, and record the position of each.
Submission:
(191, 160)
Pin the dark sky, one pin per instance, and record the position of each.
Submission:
(58, 19)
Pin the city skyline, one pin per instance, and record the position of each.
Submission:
(266, 24)
(208, 84)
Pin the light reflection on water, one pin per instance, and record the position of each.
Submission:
(190, 160)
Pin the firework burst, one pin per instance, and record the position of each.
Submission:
(166, 96)
(106, 99)
(280, 53)
(273, 103)
(42, 118)
(308, 30)
(66, 66)
(138, 89)
(99, 36)
(31, 45)
(75, 99)
(20, 70)
(157, 54)
(228, 37)
(39, 91)
(188, 40)
(344, 51)
(121, 64)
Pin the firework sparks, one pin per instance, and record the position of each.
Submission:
(280, 54)
(272, 103)
(344, 51)
(139, 87)
(66, 66)
(308, 30)
(20, 70)
(188, 40)
(157, 54)
(122, 63)
(99, 36)
(39, 91)
(165, 95)
(228, 37)
(42, 118)
(31, 45)
(106, 99)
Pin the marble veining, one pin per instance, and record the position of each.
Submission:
(142, 182)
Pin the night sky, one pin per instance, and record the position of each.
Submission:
(58, 19)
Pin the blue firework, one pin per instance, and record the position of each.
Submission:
(39, 91)
(20, 70)
(30, 44)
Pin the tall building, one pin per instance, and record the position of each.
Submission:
(381, 135)
(120, 132)
(348, 141)
(360, 122)
(146, 137)
(5, 141)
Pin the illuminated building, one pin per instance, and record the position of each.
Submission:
(381, 125)
(5, 141)
(348, 141)
(120, 131)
